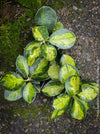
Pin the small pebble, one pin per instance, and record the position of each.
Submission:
(44, 100)
(28, 19)
(75, 8)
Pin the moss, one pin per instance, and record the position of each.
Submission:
(31, 6)
(31, 111)
(59, 4)
(12, 42)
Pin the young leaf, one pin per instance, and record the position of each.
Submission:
(88, 94)
(22, 66)
(56, 114)
(58, 26)
(53, 88)
(29, 93)
(61, 102)
(46, 16)
(66, 59)
(72, 85)
(49, 52)
(53, 72)
(40, 33)
(39, 67)
(66, 71)
(78, 110)
(14, 95)
(28, 49)
(12, 81)
(62, 39)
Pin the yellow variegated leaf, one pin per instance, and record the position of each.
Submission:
(72, 85)
(66, 71)
(12, 81)
(40, 33)
(53, 88)
(29, 93)
(61, 102)
(78, 110)
(88, 94)
(53, 72)
(63, 39)
(49, 52)
(22, 66)
(14, 95)
(66, 59)
(39, 67)
(56, 114)
(58, 26)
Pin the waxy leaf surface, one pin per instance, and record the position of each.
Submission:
(62, 102)
(56, 114)
(66, 71)
(53, 72)
(40, 33)
(78, 110)
(66, 59)
(22, 66)
(88, 94)
(39, 67)
(49, 52)
(29, 93)
(46, 16)
(14, 95)
(72, 85)
(53, 88)
(62, 39)
(12, 81)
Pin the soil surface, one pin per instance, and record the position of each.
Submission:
(81, 17)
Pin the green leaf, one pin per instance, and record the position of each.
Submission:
(40, 33)
(28, 49)
(72, 85)
(42, 77)
(22, 66)
(29, 93)
(39, 67)
(53, 72)
(61, 102)
(56, 114)
(12, 81)
(88, 94)
(66, 71)
(93, 85)
(58, 26)
(14, 95)
(53, 88)
(46, 16)
(66, 59)
(62, 39)
(78, 110)
(49, 52)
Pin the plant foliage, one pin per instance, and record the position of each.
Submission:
(39, 63)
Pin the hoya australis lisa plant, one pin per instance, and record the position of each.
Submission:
(75, 94)
(41, 62)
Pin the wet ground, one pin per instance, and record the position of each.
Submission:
(18, 117)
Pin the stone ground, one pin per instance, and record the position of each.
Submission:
(21, 118)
